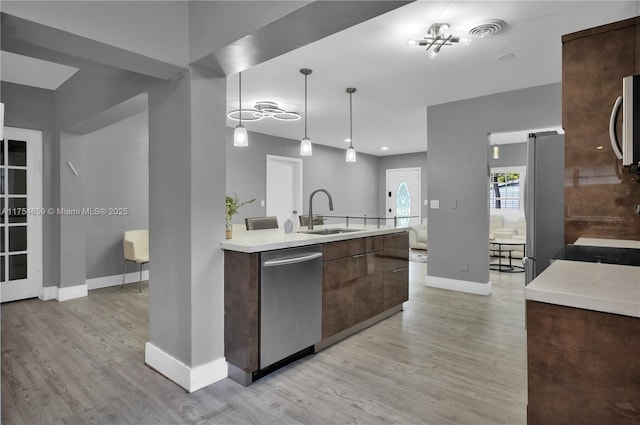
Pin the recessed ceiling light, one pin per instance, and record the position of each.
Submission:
(412, 42)
(385, 148)
(505, 57)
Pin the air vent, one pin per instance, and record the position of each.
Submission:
(488, 29)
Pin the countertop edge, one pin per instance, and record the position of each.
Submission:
(299, 239)
(606, 288)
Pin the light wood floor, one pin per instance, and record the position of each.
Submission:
(448, 358)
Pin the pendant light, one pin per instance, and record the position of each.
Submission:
(351, 152)
(305, 144)
(240, 137)
(496, 151)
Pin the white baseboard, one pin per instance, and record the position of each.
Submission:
(191, 379)
(71, 292)
(48, 293)
(115, 280)
(459, 285)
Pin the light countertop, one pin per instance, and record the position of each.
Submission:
(270, 239)
(609, 288)
(612, 243)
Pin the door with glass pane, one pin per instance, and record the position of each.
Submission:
(20, 214)
(403, 196)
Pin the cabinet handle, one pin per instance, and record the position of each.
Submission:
(357, 255)
(398, 270)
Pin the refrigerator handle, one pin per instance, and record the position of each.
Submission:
(529, 269)
(613, 131)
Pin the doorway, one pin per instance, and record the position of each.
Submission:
(21, 214)
(284, 187)
(403, 190)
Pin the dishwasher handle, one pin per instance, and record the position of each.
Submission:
(292, 260)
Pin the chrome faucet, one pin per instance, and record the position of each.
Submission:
(310, 222)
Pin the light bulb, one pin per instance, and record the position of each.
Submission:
(496, 152)
(351, 154)
(240, 137)
(306, 148)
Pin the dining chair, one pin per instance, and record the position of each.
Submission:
(136, 250)
(257, 223)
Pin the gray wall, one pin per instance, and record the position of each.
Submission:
(72, 240)
(511, 155)
(34, 108)
(458, 172)
(115, 175)
(410, 160)
(353, 186)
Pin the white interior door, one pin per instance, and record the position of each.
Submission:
(284, 187)
(21, 214)
(403, 196)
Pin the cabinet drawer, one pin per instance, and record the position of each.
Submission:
(396, 287)
(349, 247)
(397, 241)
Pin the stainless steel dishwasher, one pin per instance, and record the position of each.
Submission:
(290, 302)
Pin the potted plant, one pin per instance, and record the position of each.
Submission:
(233, 204)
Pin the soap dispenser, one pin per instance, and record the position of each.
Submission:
(288, 225)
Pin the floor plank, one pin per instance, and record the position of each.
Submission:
(448, 358)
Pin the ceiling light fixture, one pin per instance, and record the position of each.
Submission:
(240, 137)
(305, 144)
(263, 109)
(439, 35)
(351, 152)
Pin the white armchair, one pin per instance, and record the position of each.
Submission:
(136, 250)
(418, 235)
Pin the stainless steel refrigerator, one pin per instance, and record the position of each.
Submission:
(543, 201)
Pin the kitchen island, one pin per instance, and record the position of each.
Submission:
(365, 278)
(583, 340)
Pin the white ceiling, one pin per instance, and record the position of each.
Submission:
(28, 71)
(395, 82)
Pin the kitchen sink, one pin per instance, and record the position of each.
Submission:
(332, 231)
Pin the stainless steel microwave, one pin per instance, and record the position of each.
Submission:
(627, 149)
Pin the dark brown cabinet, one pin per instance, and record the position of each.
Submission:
(339, 278)
(599, 195)
(583, 366)
(363, 278)
(241, 327)
(396, 269)
(352, 283)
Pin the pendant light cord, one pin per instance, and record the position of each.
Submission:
(305, 106)
(350, 119)
(240, 94)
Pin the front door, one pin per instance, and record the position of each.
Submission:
(21, 214)
(284, 187)
(403, 196)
